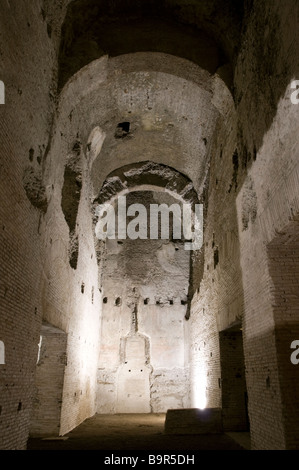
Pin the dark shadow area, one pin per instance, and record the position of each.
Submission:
(269, 61)
(204, 32)
(135, 432)
(283, 255)
(233, 383)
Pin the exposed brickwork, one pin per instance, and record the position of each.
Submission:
(239, 146)
(49, 379)
(233, 384)
(276, 205)
(25, 120)
(283, 255)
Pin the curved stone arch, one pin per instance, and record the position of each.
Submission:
(105, 68)
(143, 29)
(106, 73)
(147, 176)
(153, 177)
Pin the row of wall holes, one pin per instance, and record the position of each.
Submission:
(117, 301)
(159, 302)
(146, 301)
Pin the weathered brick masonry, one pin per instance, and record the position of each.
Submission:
(162, 102)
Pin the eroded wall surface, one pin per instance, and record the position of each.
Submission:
(27, 70)
(238, 145)
(144, 350)
(267, 204)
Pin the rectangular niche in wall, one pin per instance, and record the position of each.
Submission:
(49, 382)
(133, 384)
(233, 383)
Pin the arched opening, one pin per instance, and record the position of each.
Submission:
(144, 125)
(144, 345)
(204, 35)
(132, 110)
(206, 88)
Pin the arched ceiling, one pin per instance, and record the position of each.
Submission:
(171, 106)
(153, 78)
(146, 176)
(206, 32)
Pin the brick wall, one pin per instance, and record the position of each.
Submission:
(233, 384)
(24, 133)
(36, 280)
(71, 297)
(267, 202)
(49, 379)
(283, 255)
(253, 195)
(218, 299)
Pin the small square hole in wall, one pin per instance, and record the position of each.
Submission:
(122, 130)
(146, 301)
(105, 300)
(118, 302)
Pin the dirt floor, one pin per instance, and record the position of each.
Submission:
(137, 432)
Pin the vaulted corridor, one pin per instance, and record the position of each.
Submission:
(149, 187)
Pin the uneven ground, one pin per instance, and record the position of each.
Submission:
(137, 432)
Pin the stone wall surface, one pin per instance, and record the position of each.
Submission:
(28, 62)
(81, 106)
(145, 287)
(266, 204)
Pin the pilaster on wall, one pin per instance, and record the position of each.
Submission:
(233, 384)
(272, 187)
(283, 255)
(268, 200)
(29, 79)
(52, 359)
(218, 299)
(205, 372)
